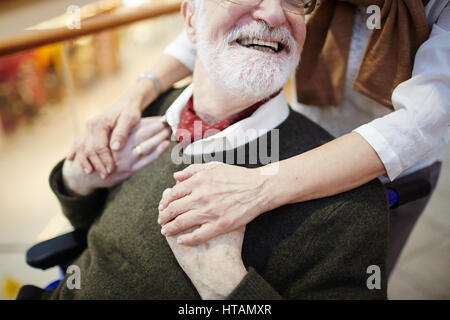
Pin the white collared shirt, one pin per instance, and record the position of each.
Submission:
(267, 117)
(411, 137)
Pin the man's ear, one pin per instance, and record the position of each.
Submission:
(189, 16)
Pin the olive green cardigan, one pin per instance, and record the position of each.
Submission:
(317, 249)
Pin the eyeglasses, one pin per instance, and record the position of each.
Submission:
(292, 6)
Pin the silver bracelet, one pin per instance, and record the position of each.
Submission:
(154, 79)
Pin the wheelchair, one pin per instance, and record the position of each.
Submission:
(61, 251)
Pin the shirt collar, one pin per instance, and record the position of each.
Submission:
(267, 117)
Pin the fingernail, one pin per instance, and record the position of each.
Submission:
(116, 145)
(102, 176)
(160, 207)
(159, 221)
(163, 231)
(87, 171)
(179, 241)
(108, 170)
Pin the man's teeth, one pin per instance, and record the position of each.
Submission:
(267, 46)
(264, 49)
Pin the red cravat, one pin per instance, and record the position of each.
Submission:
(203, 129)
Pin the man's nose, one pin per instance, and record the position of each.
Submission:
(271, 12)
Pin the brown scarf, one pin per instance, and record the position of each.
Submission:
(387, 61)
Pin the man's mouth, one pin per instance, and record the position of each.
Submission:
(261, 45)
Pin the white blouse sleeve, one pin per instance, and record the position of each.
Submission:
(421, 118)
(183, 50)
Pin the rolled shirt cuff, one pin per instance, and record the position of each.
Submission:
(387, 155)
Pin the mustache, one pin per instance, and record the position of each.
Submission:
(260, 30)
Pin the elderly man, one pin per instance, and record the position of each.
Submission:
(320, 249)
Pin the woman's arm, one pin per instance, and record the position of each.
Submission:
(337, 166)
(168, 70)
(243, 194)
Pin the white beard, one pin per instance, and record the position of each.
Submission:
(246, 72)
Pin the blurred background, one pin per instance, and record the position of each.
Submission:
(46, 95)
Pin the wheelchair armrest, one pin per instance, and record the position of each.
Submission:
(57, 251)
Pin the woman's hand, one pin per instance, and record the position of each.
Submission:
(109, 131)
(217, 197)
(221, 197)
(152, 137)
(92, 149)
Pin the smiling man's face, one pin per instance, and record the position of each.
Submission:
(251, 51)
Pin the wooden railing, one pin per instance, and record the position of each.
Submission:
(37, 38)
